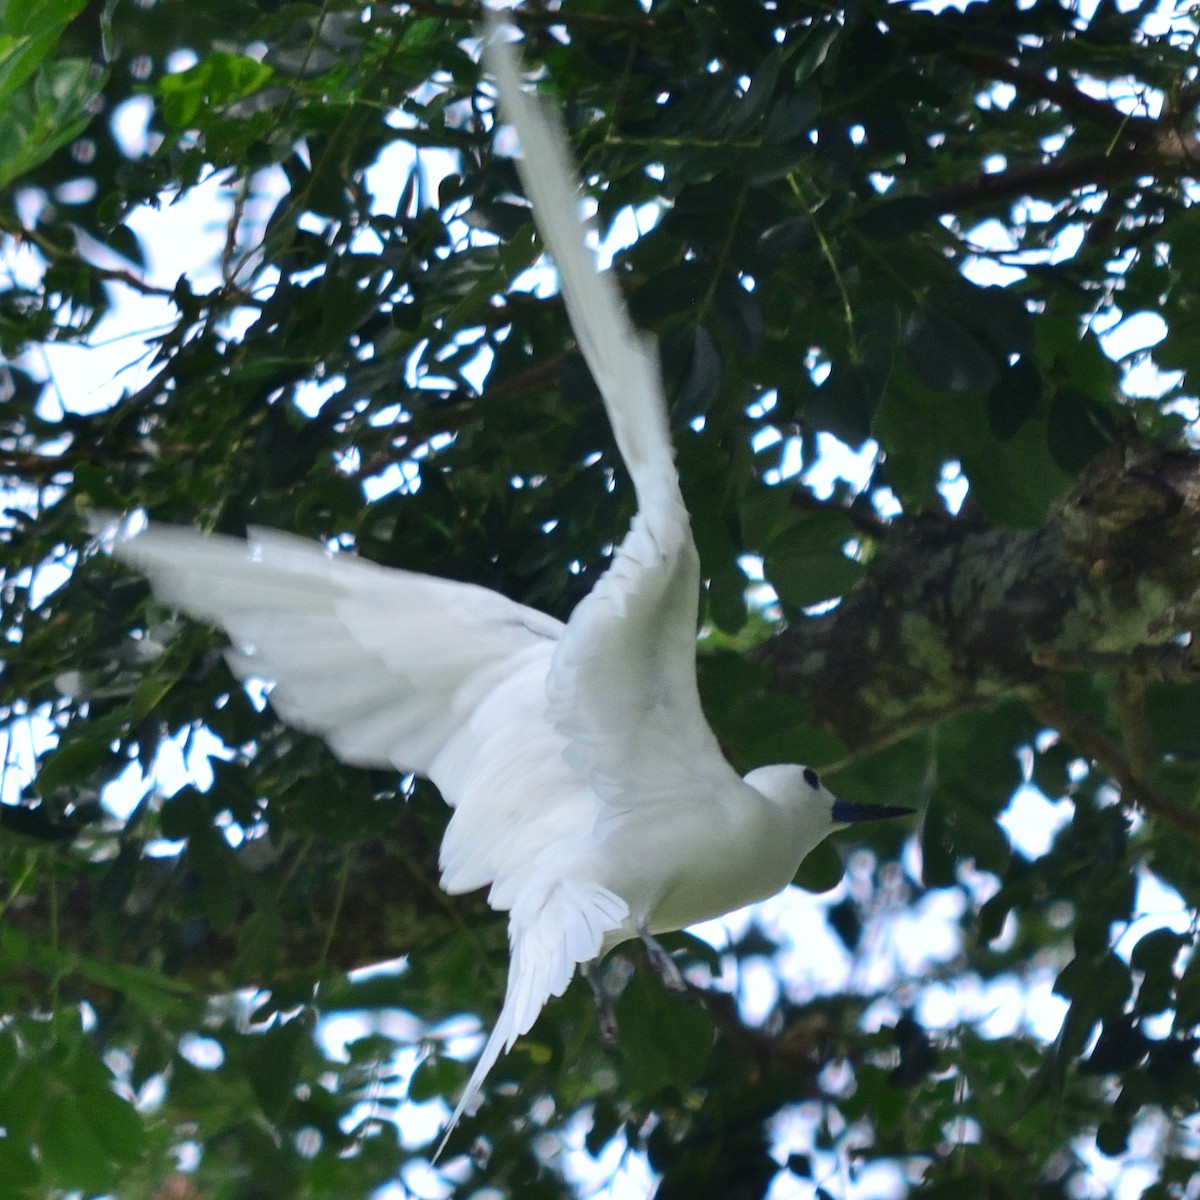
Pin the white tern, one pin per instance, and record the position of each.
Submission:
(589, 793)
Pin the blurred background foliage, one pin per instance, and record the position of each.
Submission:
(920, 233)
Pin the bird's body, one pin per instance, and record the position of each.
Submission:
(589, 793)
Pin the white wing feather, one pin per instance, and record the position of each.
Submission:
(623, 362)
(622, 685)
(384, 665)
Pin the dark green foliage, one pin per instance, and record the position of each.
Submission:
(829, 184)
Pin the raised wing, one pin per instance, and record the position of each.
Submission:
(623, 362)
(623, 682)
(385, 665)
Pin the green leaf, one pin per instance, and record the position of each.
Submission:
(1120, 1047)
(815, 46)
(821, 870)
(900, 774)
(1099, 986)
(1014, 399)
(812, 579)
(794, 233)
(1112, 1136)
(150, 989)
(28, 32)
(117, 1125)
(273, 1063)
(19, 58)
(24, 1100)
(1078, 429)
(821, 532)
(939, 862)
(791, 117)
(203, 91)
(691, 366)
(258, 949)
(727, 599)
(753, 104)
(73, 764)
(846, 403)
(806, 564)
(73, 1150)
(740, 315)
(664, 1039)
(1015, 482)
(437, 1077)
(30, 16)
(45, 114)
(997, 316)
(1155, 956)
(947, 357)
(845, 920)
(19, 1171)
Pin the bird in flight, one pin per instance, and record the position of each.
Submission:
(590, 795)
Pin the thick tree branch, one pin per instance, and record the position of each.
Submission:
(1173, 156)
(956, 618)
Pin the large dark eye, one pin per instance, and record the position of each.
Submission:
(812, 778)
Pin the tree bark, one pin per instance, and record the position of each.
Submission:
(955, 617)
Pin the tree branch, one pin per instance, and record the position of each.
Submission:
(58, 254)
(1096, 744)
(1172, 155)
(965, 617)
(1060, 92)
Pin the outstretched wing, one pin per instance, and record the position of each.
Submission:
(623, 682)
(385, 665)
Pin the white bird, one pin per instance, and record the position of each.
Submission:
(589, 793)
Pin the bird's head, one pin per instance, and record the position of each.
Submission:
(816, 811)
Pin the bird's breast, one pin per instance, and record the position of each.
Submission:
(678, 866)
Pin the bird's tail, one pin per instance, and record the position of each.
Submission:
(551, 930)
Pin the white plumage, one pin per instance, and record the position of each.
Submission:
(589, 793)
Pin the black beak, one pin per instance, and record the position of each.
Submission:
(846, 812)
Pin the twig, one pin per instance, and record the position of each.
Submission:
(1098, 746)
(830, 258)
(1169, 663)
(1065, 173)
(111, 274)
(339, 899)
